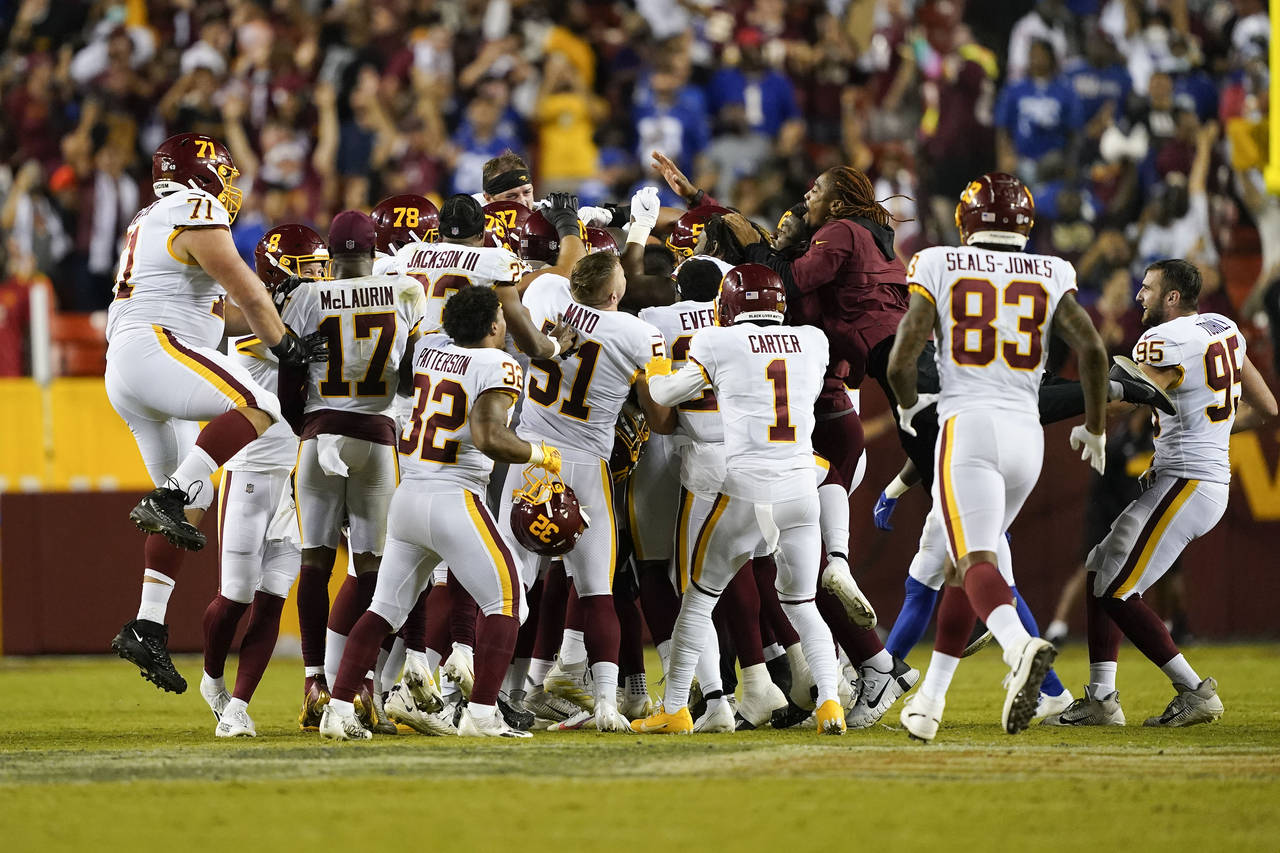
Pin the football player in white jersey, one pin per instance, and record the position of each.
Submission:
(165, 374)
(347, 457)
(399, 221)
(990, 307)
(257, 524)
(465, 390)
(766, 378)
(1200, 360)
(575, 401)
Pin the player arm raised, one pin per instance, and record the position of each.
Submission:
(1072, 324)
(495, 439)
(908, 343)
(1258, 404)
(643, 290)
(562, 213)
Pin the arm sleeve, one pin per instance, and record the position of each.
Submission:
(685, 384)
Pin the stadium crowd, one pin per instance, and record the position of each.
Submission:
(1138, 125)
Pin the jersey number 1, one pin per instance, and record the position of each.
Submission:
(782, 430)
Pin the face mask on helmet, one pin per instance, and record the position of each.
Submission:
(231, 195)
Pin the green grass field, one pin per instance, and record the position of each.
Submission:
(93, 758)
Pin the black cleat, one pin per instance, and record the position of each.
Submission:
(145, 644)
(979, 639)
(780, 671)
(161, 512)
(792, 715)
(515, 713)
(1137, 387)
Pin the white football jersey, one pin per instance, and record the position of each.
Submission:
(766, 380)
(155, 287)
(698, 419)
(995, 310)
(446, 268)
(278, 446)
(435, 443)
(1208, 350)
(574, 401)
(367, 321)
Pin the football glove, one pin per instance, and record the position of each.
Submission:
(906, 416)
(563, 214)
(659, 365)
(1092, 447)
(645, 206)
(596, 217)
(883, 512)
(280, 293)
(546, 458)
(299, 352)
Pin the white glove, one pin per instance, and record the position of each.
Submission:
(645, 206)
(906, 416)
(595, 217)
(1092, 447)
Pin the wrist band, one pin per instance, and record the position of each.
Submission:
(697, 198)
(555, 347)
(536, 454)
(638, 234)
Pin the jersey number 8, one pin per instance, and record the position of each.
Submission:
(967, 322)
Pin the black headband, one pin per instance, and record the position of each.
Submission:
(507, 181)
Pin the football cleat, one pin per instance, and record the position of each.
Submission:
(338, 726)
(401, 708)
(1089, 711)
(569, 682)
(550, 708)
(759, 701)
(163, 511)
(146, 645)
(489, 725)
(718, 719)
(365, 712)
(609, 719)
(838, 580)
(514, 711)
(420, 683)
(882, 515)
(579, 719)
(786, 718)
(235, 723)
(313, 702)
(921, 715)
(830, 717)
(460, 669)
(1048, 705)
(1192, 705)
(635, 706)
(662, 723)
(978, 643)
(1027, 667)
(877, 691)
(214, 692)
(1137, 387)
(384, 724)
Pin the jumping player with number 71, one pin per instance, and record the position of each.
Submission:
(1200, 361)
(347, 458)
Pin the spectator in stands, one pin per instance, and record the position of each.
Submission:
(670, 116)
(1176, 223)
(1100, 78)
(478, 139)
(1036, 116)
(765, 94)
(566, 117)
(1046, 23)
(17, 275)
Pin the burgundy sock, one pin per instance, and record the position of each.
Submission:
(462, 615)
(352, 601)
(495, 639)
(955, 622)
(575, 617)
(159, 556)
(1104, 635)
(389, 642)
(855, 642)
(414, 629)
(766, 574)
(724, 642)
(220, 620)
(529, 630)
(600, 631)
(313, 612)
(1143, 627)
(658, 599)
(223, 436)
(258, 644)
(986, 589)
(439, 604)
(631, 637)
(360, 655)
(551, 615)
(741, 604)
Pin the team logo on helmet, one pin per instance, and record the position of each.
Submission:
(684, 233)
(546, 517)
(996, 208)
(194, 161)
(404, 219)
(290, 250)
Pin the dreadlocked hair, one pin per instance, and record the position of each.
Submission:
(722, 244)
(853, 196)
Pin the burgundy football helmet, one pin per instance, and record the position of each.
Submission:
(600, 240)
(287, 250)
(404, 219)
(504, 222)
(751, 292)
(996, 208)
(539, 240)
(685, 231)
(195, 161)
(629, 436)
(546, 517)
